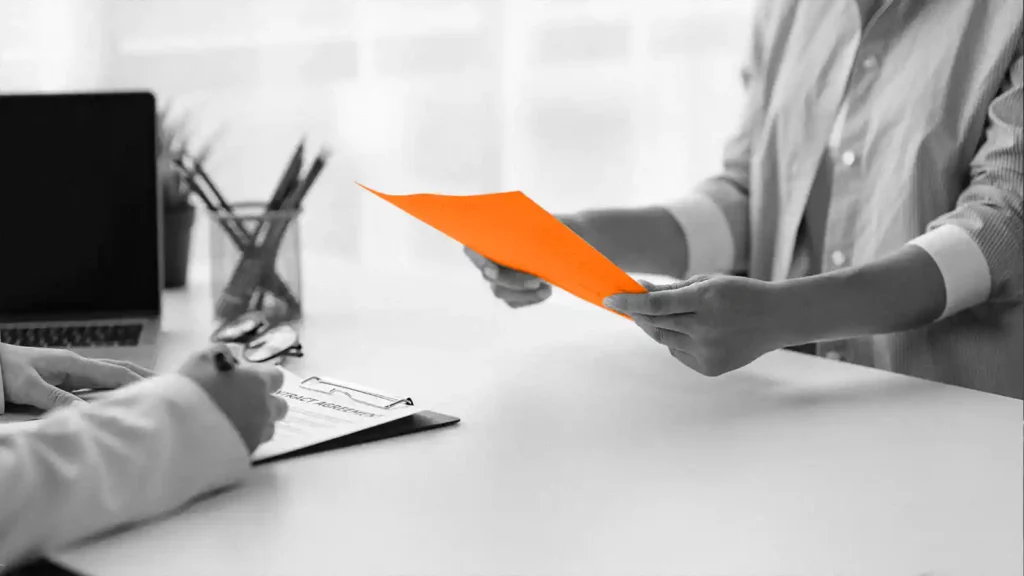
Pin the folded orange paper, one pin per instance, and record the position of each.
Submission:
(512, 230)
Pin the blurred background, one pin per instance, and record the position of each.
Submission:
(577, 103)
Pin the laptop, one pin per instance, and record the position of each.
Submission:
(80, 224)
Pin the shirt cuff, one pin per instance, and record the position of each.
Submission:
(963, 266)
(709, 243)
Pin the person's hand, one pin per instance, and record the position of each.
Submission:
(517, 289)
(245, 394)
(45, 377)
(712, 324)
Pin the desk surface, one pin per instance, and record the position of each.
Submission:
(586, 449)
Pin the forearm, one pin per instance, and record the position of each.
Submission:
(143, 450)
(639, 240)
(898, 292)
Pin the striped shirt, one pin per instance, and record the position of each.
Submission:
(870, 124)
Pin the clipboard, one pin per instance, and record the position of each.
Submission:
(343, 414)
(355, 393)
(418, 422)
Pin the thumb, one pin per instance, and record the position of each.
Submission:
(38, 393)
(652, 287)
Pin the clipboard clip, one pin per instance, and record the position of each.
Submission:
(368, 397)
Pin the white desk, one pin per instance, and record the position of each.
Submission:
(586, 449)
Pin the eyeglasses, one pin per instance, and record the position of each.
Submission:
(261, 341)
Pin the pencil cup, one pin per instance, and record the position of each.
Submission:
(256, 265)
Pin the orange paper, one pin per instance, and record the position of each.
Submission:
(512, 230)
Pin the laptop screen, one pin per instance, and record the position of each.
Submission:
(79, 207)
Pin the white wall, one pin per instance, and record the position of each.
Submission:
(575, 102)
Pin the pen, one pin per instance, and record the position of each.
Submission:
(198, 168)
(294, 200)
(288, 179)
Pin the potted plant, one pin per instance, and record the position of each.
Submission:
(179, 213)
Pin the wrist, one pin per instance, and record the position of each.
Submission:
(804, 310)
(899, 292)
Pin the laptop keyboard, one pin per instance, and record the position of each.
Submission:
(73, 336)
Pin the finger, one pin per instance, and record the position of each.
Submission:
(268, 433)
(519, 298)
(278, 408)
(669, 338)
(138, 370)
(652, 287)
(274, 379)
(82, 372)
(660, 302)
(478, 260)
(512, 279)
(40, 394)
(685, 323)
(503, 275)
(688, 359)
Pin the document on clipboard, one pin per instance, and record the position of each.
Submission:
(322, 409)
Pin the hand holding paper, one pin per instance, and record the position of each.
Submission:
(515, 288)
(512, 230)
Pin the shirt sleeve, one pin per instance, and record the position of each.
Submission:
(715, 217)
(143, 450)
(978, 246)
(714, 220)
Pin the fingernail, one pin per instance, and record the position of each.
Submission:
(532, 284)
(490, 272)
(613, 302)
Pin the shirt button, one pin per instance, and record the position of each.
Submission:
(838, 258)
(833, 355)
(870, 63)
(848, 158)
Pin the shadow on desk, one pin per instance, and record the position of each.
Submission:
(773, 386)
(40, 568)
(751, 396)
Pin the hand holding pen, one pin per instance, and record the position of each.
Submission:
(244, 394)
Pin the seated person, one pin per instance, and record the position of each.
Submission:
(138, 451)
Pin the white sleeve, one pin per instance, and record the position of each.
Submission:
(715, 222)
(143, 450)
(962, 263)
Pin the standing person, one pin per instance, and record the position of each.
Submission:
(869, 203)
